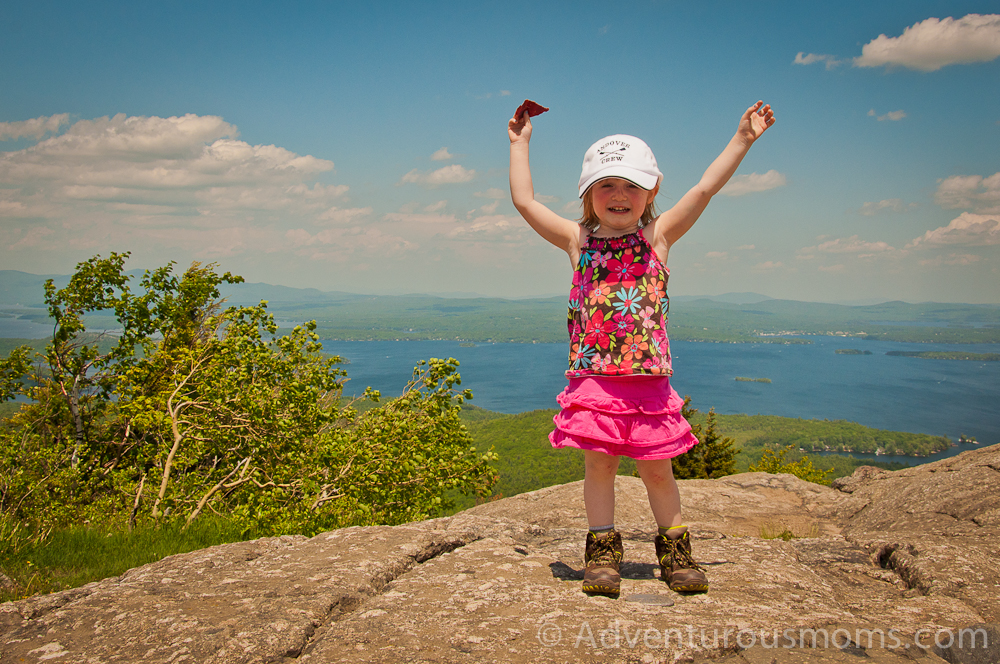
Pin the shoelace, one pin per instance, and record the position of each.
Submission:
(682, 555)
(604, 551)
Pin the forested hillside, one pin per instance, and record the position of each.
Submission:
(526, 461)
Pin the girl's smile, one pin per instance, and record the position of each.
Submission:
(619, 205)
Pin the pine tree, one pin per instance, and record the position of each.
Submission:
(718, 454)
(713, 456)
(689, 466)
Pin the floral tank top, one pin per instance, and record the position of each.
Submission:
(617, 315)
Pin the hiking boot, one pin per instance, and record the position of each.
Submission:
(677, 567)
(602, 557)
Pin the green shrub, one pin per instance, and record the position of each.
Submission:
(772, 461)
(192, 409)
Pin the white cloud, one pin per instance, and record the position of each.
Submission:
(720, 255)
(936, 43)
(318, 191)
(416, 218)
(495, 227)
(442, 155)
(545, 198)
(489, 208)
(970, 191)
(894, 116)
(148, 155)
(492, 192)
(453, 174)
(831, 268)
(212, 243)
(436, 207)
(179, 182)
(34, 238)
(349, 240)
(767, 266)
(851, 245)
(870, 208)
(35, 128)
(951, 259)
(967, 229)
(343, 216)
(810, 58)
(574, 208)
(741, 185)
(745, 247)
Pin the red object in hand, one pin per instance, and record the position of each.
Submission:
(531, 107)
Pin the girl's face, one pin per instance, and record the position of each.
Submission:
(619, 205)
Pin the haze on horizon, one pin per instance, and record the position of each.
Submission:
(362, 148)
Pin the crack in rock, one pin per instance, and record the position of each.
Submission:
(377, 585)
(901, 559)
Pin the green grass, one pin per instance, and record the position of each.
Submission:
(772, 530)
(76, 556)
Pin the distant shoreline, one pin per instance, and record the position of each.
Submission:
(347, 317)
(947, 355)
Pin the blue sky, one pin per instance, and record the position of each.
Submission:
(363, 148)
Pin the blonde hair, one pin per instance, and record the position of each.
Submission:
(590, 221)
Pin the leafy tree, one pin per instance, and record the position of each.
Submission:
(772, 461)
(713, 456)
(193, 408)
(12, 370)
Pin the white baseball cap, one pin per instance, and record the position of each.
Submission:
(620, 156)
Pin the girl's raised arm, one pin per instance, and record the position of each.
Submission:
(675, 222)
(559, 231)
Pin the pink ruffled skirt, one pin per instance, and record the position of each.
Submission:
(635, 416)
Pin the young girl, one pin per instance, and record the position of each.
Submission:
(619, 400)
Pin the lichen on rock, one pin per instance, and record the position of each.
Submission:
(890, 553)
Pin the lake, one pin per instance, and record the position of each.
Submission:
(939, 397)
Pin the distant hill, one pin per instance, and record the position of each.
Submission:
(252, 293)
(26, 289)
(730, 317)
(728, 298)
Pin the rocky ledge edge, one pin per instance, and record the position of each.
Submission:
(885, 566)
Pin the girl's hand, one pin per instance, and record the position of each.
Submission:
(519, 129)
(755, 122)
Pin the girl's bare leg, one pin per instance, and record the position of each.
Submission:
(599, 487)
(661, 487)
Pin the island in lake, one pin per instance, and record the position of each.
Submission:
(852, 351)
(946, 355)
